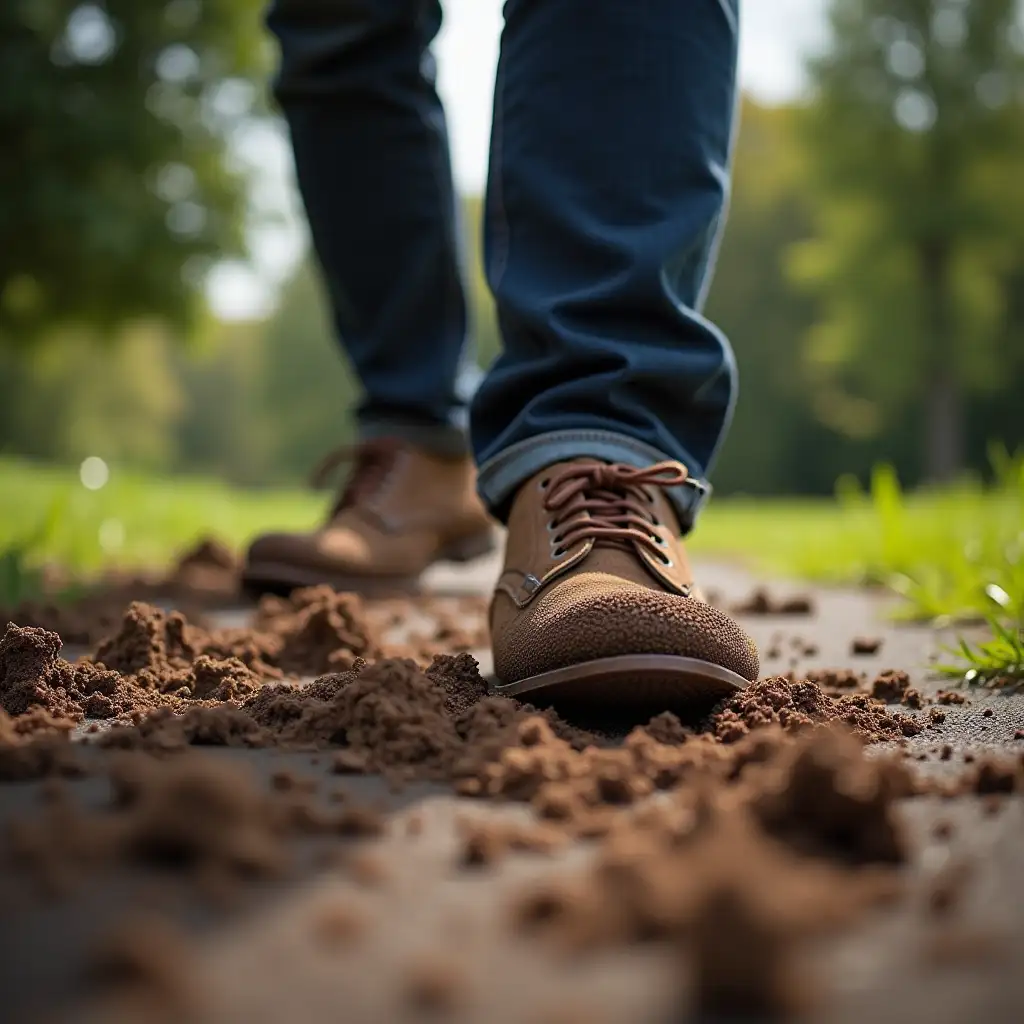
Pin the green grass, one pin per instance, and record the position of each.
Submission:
(941, 549)
(954, 554)
(143, 520)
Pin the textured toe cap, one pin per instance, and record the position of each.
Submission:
(593, 615)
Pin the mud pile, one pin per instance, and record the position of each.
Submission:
(738, 839)
(168, 683)
(158, 659)
(204, 577)
(195, 814)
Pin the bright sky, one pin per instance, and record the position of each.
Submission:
(775, 35)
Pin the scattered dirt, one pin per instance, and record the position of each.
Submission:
(836, 678)
(740, 839)
(203, 578)
(798, 705)
(206, 818)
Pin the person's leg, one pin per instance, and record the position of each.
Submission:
(356, 84)
(596, 427)
(612, 133)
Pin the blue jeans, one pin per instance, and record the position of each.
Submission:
(609, 172)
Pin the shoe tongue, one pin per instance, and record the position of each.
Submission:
(618, 562)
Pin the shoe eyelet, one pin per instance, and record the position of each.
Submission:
(666, 561)
(551, 527)
(544, 483)
(655, 520)
(659, 540)
(557, 552)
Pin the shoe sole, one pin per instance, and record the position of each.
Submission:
(266, 577)
(631, 682)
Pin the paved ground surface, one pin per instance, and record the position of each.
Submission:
(259, 962)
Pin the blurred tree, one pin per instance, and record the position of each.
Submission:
(61, 400)
(767, 447)
(225, 428)
(915, 145)
(306, 390)
(115, 187)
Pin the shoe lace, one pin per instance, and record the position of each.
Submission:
(609, 504)
(371, 462)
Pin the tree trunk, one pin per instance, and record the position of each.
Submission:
(944, 426)
(944, 412)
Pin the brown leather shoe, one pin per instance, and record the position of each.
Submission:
(401, 510)
(597, 603)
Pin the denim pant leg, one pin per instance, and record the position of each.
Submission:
(356, 84)
(608, 181)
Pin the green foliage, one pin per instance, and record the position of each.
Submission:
(306, 389)
(137, 519)
(72, 398)
(998, 662)
(938, 548)
(21, 576)
(883, 537)
(115, 190)
(953, 572)
(770, 443)
(914, 141)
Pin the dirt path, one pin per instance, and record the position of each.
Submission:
(399, 929)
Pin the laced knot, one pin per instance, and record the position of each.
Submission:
(371, 462)
(609, 504)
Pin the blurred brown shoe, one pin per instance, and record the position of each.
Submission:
(401, 510)
(596, 603)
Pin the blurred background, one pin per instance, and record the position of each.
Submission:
(160, 316)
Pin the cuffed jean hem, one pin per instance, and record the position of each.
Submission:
(437, 439)
(502, 475)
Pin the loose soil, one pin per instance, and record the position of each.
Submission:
(737, 842)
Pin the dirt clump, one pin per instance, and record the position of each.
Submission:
(207, 819)
(144, 969)
(865, 645)
(314, 631)
(29, 662)
(826, 799)
(798, 705)
(913, 699)
(435, 985)
(209, 566)
(890, 686)
(762, 602)
(82, 622)
(835, 678)
(997, 775)
(34, 745)
(484, 843)
(155, 665)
